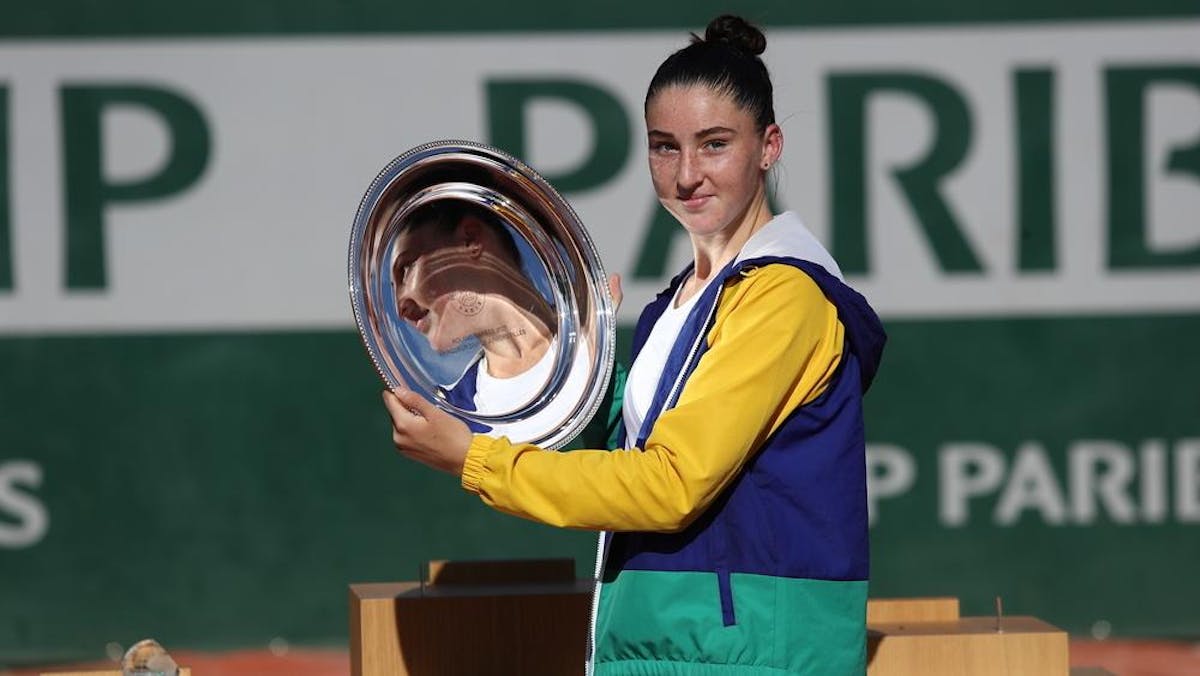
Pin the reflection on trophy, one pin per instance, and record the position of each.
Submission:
(459, 281)
(474, 284)
(457, 274)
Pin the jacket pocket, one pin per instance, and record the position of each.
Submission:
(725, 590)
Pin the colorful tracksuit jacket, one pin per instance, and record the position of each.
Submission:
(739, 520)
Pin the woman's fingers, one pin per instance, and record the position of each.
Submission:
(415, 403)
(614, 287)
(396, 408)
(406, 415)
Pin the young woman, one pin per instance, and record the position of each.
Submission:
(737, 510)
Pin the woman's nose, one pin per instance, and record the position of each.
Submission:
(689, 176)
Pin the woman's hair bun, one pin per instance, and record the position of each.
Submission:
(737, 33)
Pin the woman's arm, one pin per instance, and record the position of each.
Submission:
(775, 346)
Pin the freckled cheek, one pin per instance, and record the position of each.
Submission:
(733, 174)
(662, 175)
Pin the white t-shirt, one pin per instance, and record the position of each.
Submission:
(643, 377)
(494, 395)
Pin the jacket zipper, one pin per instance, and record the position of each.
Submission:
(601, 557)
(601, 554)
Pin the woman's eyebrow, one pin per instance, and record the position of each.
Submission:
(714, 130)
(707, 131)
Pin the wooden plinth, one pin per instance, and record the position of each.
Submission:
(528, 618)
(925, 638)
(923, 609)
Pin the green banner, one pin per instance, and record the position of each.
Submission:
(223, 17)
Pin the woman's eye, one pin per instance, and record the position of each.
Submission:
(661, 148)
(717, 144)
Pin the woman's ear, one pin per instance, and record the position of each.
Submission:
(772, 145)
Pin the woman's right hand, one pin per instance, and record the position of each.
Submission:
(426, 433)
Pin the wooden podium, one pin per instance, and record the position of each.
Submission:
(471, 618)
(531, 618)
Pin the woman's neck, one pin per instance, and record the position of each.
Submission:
(713, 252)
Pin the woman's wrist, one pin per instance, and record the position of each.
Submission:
(474, 465)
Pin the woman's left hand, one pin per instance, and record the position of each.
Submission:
(614, 288)
(426, 433)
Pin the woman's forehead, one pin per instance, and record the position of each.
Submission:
(688, 108)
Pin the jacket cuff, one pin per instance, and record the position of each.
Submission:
(474, 466)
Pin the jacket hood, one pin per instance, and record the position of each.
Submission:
(786, 239)
(785, 236)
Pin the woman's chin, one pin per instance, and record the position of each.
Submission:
(702, 227)
(697, 223)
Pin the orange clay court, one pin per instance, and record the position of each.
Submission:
(1120, 657)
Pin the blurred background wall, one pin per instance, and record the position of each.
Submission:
(192, 445)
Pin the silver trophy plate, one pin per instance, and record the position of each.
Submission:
(475, 284)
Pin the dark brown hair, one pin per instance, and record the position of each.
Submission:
(727, 61)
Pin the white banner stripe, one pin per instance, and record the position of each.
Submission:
(299, 127)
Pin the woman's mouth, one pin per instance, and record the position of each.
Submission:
(695, 202)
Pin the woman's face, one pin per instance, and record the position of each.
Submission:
(707, 159)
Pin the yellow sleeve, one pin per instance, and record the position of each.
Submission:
(774, 346)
